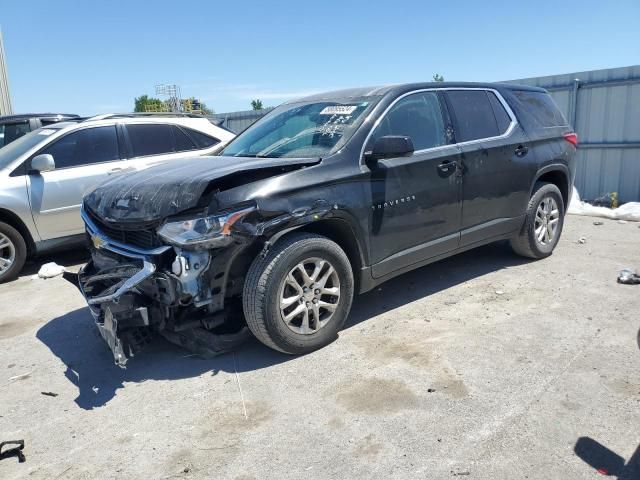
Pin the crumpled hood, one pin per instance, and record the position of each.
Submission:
(177, 185)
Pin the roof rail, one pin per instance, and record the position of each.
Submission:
(144, 114)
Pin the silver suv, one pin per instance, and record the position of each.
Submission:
(45, 173)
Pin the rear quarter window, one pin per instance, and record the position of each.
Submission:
(473, 114)
(541, 109)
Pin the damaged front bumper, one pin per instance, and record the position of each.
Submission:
(133, 292)
(119, 320)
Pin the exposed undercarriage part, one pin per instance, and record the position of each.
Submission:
(192, 297)
(179, 294)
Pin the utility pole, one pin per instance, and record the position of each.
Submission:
(5, 97)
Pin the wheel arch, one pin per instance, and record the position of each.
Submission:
(339, 231)
(10, 218)
(559, 176)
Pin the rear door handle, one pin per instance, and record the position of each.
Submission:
(448, 167)
(521, 150)
(115, 170)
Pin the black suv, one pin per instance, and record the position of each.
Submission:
(13, 127)
(322, 198)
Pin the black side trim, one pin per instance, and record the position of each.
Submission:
(499, 226)
(369, 282)
(415, 255)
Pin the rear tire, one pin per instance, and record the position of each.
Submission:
(13, 252)
(543, 223)
(297, 298)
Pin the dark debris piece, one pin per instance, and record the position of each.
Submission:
(49, 394)
(14, 451)
(628, 277)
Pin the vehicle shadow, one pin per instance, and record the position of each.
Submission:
(74, 339)
(431, 279)
(607, 462)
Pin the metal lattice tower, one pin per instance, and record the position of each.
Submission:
(173, 94)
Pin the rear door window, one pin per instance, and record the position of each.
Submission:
(182, 141)
(417, 116)
(160, 139)
(201, 140)
(84, 147)
(502, 117)
(151, 139)
(473, 114)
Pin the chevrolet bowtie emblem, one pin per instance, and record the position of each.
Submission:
(98, 242)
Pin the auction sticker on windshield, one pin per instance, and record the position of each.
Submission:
(338, 110)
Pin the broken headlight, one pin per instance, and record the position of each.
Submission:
(202, 231)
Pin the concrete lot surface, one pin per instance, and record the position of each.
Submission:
(481, 366)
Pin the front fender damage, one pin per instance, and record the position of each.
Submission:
(191, 297)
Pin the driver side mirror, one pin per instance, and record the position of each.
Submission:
(43, 163)
(390, 146)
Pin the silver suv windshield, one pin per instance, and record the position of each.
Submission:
(303, 129)
(10, 152)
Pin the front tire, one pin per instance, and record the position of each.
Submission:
(297, 298)
(543, 223)
(13, 252)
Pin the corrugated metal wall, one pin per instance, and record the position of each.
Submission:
(603, 106)
(238, 121)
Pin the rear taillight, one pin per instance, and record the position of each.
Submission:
(572, 138)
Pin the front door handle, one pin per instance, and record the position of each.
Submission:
(447, 167)
(115, 170)
(521, 150)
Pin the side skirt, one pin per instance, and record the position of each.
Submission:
(368, 281)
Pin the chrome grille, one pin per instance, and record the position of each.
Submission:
(145, 238)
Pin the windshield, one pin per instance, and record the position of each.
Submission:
(10, 152)
(303, 130)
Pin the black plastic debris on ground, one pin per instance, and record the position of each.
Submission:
(628, 277)
(14, 451)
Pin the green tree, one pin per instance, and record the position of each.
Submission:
(438, 78)
(256, 104)
(145, 103)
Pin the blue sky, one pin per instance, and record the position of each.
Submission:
(95, 56)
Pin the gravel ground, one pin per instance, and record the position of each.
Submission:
(482, 366)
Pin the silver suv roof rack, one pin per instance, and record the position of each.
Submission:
(144, 114)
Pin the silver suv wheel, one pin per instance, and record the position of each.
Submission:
(309, 295)
(7, 253)
(542, 226)
(546, 222)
